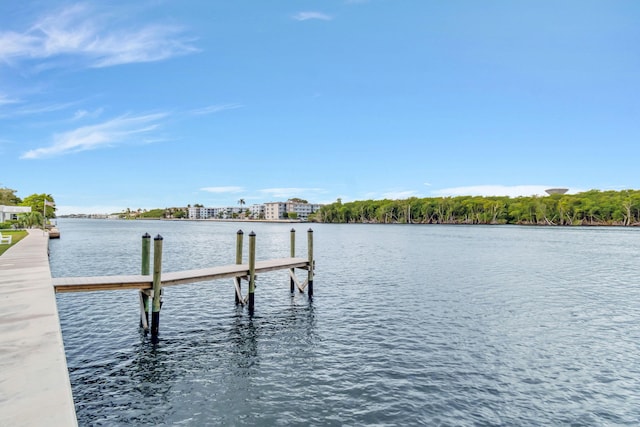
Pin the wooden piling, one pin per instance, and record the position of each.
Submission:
(157, 286)
(144, 270)
(310, 252)
(293, 255)
(238, 280)
(252, 271)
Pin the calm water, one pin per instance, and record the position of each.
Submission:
(410, 325)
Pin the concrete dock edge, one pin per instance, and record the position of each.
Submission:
(34, 380)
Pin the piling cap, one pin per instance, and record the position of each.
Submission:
(240, 232)
(293, 230)
(158, 237)
(310, 230)
(146, 236)
(252, 234)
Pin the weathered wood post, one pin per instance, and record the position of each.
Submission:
(144, 270)
(238, 280)
(157, 283)
(310, 249)
(293, 255)
(252, 271)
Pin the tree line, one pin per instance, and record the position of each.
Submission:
(592, 207)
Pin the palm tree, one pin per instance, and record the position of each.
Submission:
(241, 202)
(30, 219)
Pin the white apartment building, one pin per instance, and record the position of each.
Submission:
(303, 210)
(203, 213)
(257, 211)
(221, 213)
(274, 210)
(277, 210)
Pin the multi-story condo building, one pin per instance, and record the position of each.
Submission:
(274, 210)
(302, 210)
(257, 211)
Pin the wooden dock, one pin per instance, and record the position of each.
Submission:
(34, 381)
(151, 281)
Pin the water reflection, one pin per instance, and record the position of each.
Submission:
(243, 336)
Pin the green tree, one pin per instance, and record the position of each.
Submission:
(8, 197)
(298, 200)
(36, 202)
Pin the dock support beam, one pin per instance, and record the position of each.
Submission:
(238, 280)
(157, 287)
(252, 271)
(293, 254)
(144, 270)
(311, 265)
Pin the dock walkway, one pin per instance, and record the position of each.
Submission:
(110, 283)
(34, 381)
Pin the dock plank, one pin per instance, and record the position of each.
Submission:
(106, 283)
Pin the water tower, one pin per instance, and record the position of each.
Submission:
(551, 191)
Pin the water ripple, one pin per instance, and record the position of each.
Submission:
(410, 325)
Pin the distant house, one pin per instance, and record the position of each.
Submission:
(8, 213)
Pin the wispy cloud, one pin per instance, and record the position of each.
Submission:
(287, 192)
(5, 100)
(221, 190)
(83, 114)
(305, 16)
(112, 132)
(494, 190)
(83, 32)
(215, 109)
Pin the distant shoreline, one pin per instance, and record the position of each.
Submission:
(284, 221)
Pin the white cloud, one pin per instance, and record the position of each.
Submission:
(495, 190)
(287, 192)
(81, 31)
(116, 131)
(216, 109)
(304, 16)
(218, 190)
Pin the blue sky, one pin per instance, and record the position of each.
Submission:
(120, 104)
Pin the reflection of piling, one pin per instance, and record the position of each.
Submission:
(310, 250)
(144, 270)
(252, 270)
(238, 280)
(157, 286)
(293, 255)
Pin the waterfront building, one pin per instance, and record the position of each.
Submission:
(8, 213)
(257, 211)
(274, 210)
